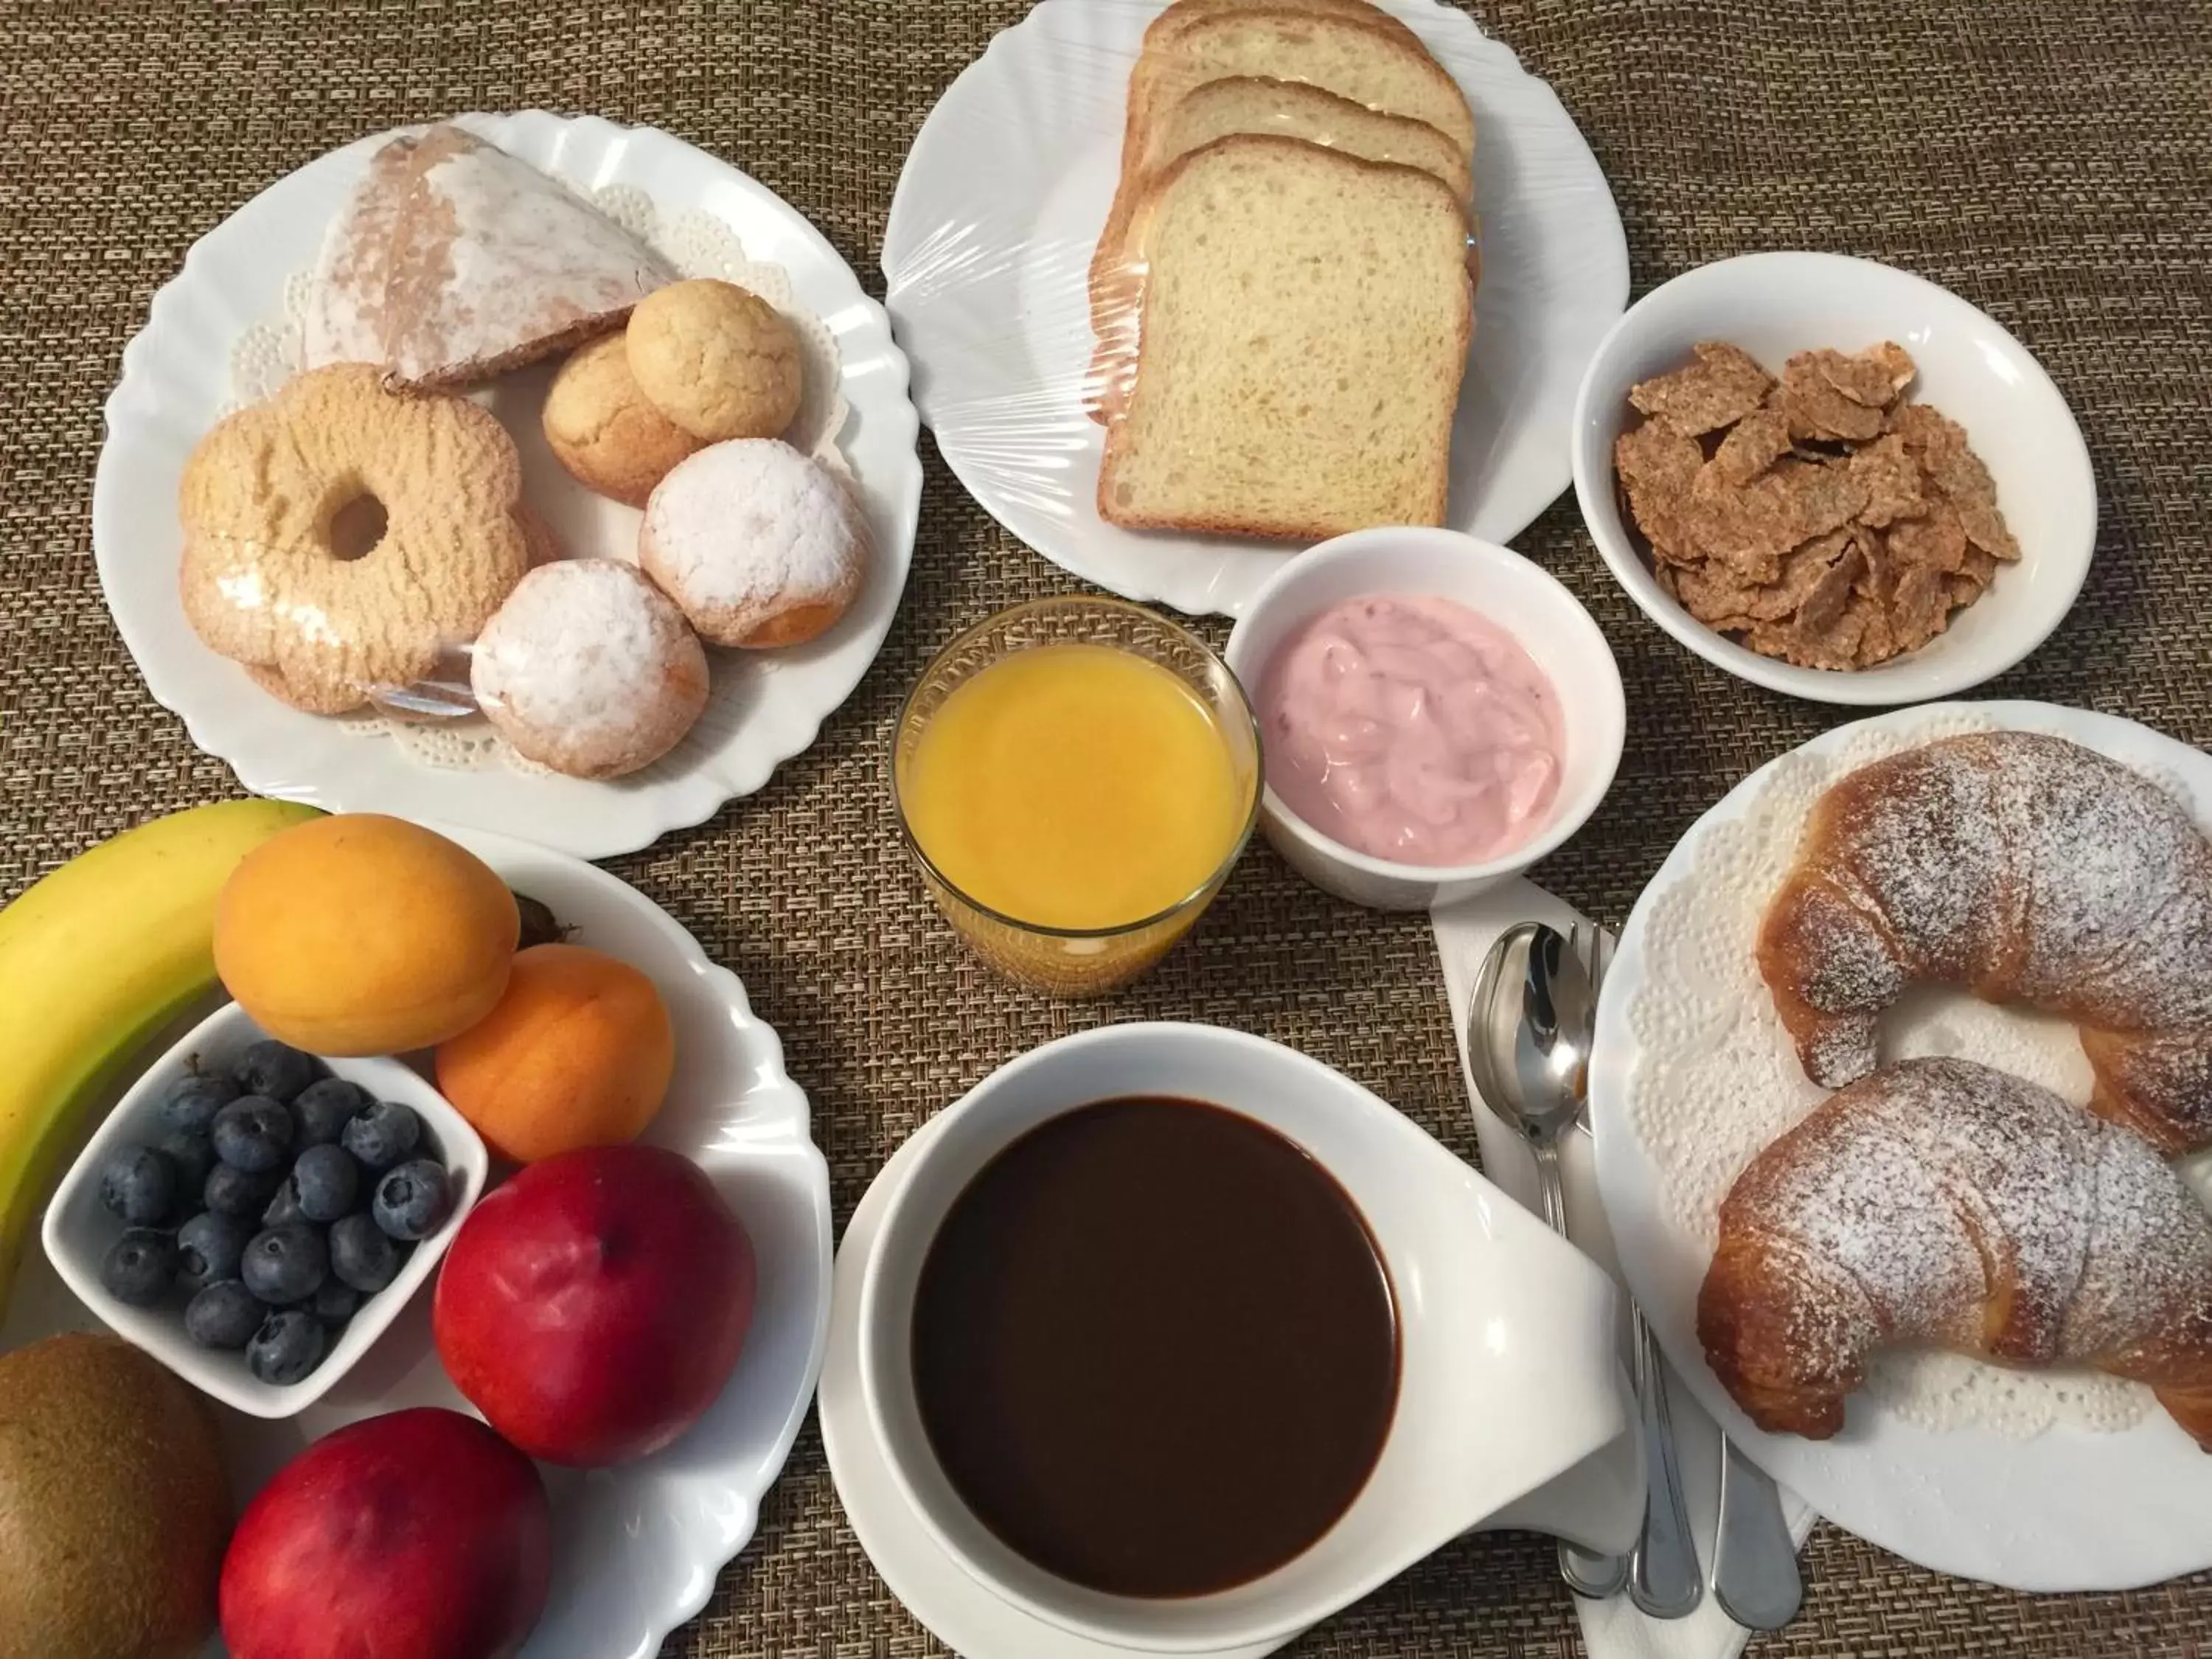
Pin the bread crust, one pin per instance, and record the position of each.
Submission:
(1117, 395)
(1164, 38)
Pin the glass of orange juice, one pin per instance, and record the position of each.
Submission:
(1074, 777)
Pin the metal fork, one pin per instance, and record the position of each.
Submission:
(1755, 1579)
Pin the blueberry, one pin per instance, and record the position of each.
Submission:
(334, 1302)
(363, 1254)
(385, 1134)
(285, 1209)
(412, 1200)
(138, 1184)
(286, 1348)
(191, 1154)
(328, 1181)
(253, 1133)
(234, 1192)
(208, 1248)
(284, 1264)
(323, 1108)
(194, 1099)
(223, 1314)
(140, 1266)
(269, 1067)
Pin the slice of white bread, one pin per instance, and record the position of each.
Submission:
(1292, 109)
(1305, 324)
(1367, 57)
(1218, 109)
(1360, 54)
(1162, 30)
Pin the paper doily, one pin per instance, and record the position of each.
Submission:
(1716, 1077)
(697, 245)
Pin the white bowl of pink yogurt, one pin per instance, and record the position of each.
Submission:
(1436, 714)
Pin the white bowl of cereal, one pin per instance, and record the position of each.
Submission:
(1877, 496)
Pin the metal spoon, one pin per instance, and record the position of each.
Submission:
(1529, 1072)
(1755, 1577)
(1663, 1579)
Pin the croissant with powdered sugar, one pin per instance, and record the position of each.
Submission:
(2028, 870)
(1938, 1202)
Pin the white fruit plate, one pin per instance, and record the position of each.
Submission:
(637, 1548)
(766, 706)
(988, 255)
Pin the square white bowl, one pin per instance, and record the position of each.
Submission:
(79, 1230)
(1522, 597)
(1774, 305)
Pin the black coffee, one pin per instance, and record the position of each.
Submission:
(1154, 1348)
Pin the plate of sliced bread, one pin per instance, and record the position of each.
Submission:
(1188, 287)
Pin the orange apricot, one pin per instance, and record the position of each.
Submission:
(578, 1053)
(363, 934)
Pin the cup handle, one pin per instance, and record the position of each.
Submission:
(1597, 1504)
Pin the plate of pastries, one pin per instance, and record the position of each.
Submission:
(526, 473)
(1903, 1100)
(1191, 288)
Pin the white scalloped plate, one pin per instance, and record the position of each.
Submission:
(2070, 1510)
(175, 382)
(637, 1549)
(988, 253)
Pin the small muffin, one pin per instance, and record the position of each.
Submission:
(588, 669)
(716, 360)
(604, 430)
(760, 544)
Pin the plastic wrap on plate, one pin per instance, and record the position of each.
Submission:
(1171, 271)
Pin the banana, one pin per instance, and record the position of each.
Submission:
(93, 959)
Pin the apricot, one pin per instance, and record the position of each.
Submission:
(363, 934)
(578, 1053)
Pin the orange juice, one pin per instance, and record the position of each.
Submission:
(1075, 786)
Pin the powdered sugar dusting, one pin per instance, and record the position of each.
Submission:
(579, 647)
(1909, 1197)
(752, 520)
(696, 244)
(2031, 868)
(1717, 1079)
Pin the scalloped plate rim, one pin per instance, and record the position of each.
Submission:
(2086, 1559)
(1199, 594)
(795, 1125)
(299, 766)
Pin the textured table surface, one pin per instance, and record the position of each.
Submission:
(2052, 162)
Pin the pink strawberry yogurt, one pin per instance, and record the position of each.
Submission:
(1409, 728)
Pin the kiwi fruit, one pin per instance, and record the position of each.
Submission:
(114, 1509)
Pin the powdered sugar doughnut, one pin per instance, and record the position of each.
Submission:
(589, 669)
(760, 544)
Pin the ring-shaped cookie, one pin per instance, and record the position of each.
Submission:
(339, 537)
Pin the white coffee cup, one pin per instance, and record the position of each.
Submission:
(1508, 1378)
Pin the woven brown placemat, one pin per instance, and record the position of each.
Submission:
(2052, 162)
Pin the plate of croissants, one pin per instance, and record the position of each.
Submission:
(1903, 1102)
